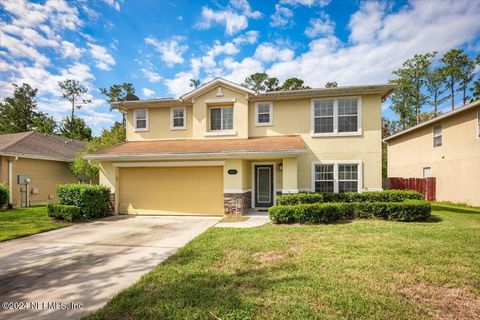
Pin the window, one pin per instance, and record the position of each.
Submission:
(221, 118)
(336, 116)
(437, 136)
(324, 178)
(141, 120)
(427, 172)
(347, 115)
(263, 114)
(178, 116)
(478, 125)
(337, 176)
(347, 177)
(323, 114)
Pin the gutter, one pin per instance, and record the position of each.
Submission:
(36, 157)
(198, 155)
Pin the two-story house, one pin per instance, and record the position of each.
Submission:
(223, 148)
(447, 148)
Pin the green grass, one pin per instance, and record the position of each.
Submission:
(22, 222)
(362, 269)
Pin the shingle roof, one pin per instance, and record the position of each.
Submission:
(449, 114)
(191, 148)
(39, 145)
(382, 89)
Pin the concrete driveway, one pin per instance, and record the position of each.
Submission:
(86, 264)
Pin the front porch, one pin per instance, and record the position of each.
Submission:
(255, 183)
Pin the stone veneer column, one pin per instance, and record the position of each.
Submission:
(237, 203)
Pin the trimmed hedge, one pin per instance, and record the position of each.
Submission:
(3, 194)
(368, 196)
(307, 213)
(93, 200)
(63, 212)
(408, 210)
(298, 198)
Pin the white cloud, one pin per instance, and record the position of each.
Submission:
(171, 51)
(365, 23)
(320, 26)
(238, 71)
(32, 36)
(268, 53)
(249, 37)
(103, 59)
(148, 92)
(281, 17)
(112, 3)
(309, 3)
(180, 84)
(421, 27)
(234, 17)
(151, 76)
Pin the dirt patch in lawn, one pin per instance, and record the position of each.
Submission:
(268, 256)
(445, 302)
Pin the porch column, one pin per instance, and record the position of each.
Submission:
(290, 177)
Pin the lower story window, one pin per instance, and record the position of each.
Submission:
(347, 177)
(324, 178)
(337, 177)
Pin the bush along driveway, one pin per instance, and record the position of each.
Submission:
(22, 222)
(355, 269)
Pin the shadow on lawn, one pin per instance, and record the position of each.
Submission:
(467, 210)
(198, 294)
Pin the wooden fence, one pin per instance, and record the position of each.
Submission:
(426, 186)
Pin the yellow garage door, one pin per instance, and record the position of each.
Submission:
(171, 191)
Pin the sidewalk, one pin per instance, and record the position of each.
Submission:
(255, 219)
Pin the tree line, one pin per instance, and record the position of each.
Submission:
(426, 82)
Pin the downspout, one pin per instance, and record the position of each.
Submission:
(10, 183)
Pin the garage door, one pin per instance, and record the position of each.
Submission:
(171, 191)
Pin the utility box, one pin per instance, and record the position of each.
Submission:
(23, 179)
(34, 190)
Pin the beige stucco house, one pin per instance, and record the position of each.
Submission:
(447, 148)
(41, 158)
(223, 148)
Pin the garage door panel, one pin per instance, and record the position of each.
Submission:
(178, 190)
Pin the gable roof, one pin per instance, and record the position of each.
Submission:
(212, 84)
(40, 146)
(186, 100)
(469, 106)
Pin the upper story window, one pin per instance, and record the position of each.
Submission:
(337, 176)
(263, 113)
(221, 118)
(141, 120)
(178, 118)
(336, 116)
(437, 136)
(478, 124)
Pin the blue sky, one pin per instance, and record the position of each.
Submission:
(160, 45)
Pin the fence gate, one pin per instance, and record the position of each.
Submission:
(426, 186)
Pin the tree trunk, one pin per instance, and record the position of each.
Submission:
(73, 110)
(452, 92)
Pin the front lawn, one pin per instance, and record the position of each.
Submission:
(371, 269)
(26, 221)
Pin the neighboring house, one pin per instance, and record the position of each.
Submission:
(447, 148)
(42, 158)
(223, 148)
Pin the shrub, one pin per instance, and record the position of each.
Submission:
(373, 196)
(63, 212)
(3, 194)
(308, 213)
(408, 210)
(93, 200)
(298, 198)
